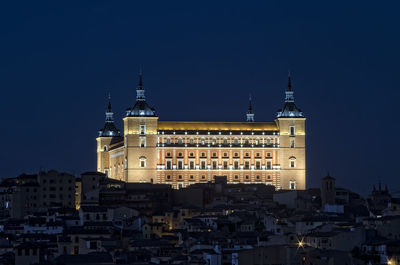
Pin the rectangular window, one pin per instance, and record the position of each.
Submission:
(292, 143)
(225, 164)
(168, 165)
(214, 164)
(247, 165)
(142, 142)
(292, 130)
(180, 164)
(258, 164)
(236, 164)
(203, 164)
(142, 163)
(191, 164)
(268, 164)
(292, 185)
(292, 163)
(142, 129)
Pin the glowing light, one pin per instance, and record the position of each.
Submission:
(300, 243)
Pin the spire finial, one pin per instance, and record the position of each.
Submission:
(140, 77)
(109, 103)
(289, 82)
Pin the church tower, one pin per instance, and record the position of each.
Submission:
(108, 135)
(292, 156)
(140, 139)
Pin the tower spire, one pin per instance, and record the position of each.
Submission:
(289, 91)
(289, 110)
(250, 113)
(109, 128)
(139, 88)
(109, 109)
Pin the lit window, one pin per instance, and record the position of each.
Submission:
(142, 142)
(142, 161)
(203, 141)
(214, 141)
(292, 143)
(142, 129)
(292, 185)
(292, 162)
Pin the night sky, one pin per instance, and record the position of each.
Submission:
(201, 59)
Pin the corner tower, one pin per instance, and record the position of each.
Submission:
(140, 139)
(108, 135)
(292, 156)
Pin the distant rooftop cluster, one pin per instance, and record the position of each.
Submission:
(55, 218)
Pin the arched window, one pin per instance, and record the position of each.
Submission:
(142, 161)
(105, 148)
(292, 162)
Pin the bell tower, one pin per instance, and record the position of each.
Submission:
(140, 139)
(292, 155)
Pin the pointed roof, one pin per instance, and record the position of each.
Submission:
(141, 108)
(109, 129)
(289, 110)
(250, 113)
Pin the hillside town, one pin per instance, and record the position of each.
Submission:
(57, 218)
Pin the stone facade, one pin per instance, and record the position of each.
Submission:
(183, 153)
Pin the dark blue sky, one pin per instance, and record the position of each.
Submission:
(58, 61)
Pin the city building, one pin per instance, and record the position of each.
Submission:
(183, 153)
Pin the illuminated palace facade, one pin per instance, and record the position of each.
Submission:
(183, 153)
